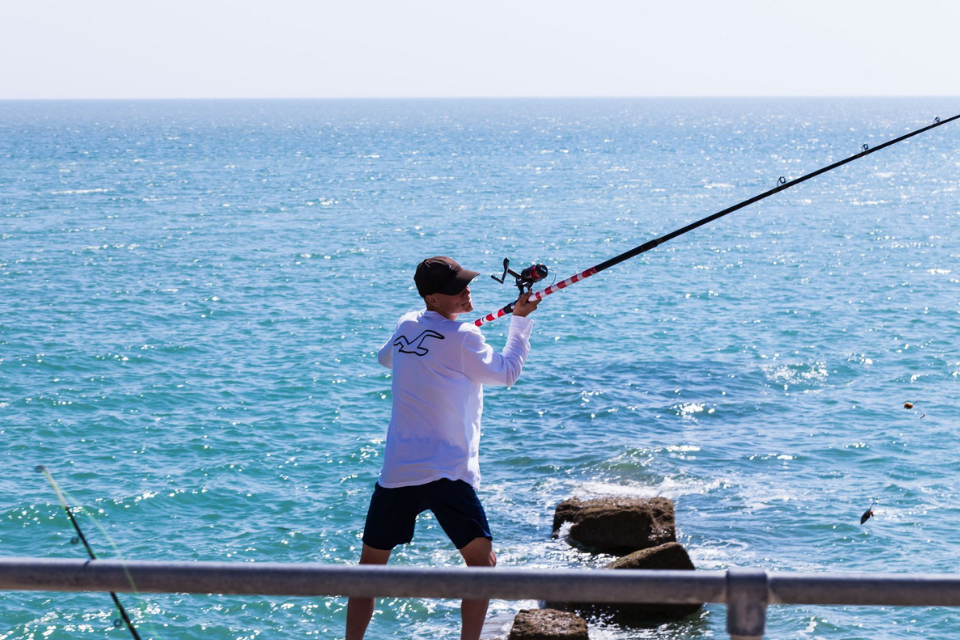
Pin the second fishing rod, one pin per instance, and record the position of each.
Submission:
(529, 276)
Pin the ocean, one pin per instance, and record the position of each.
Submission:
(193, 294)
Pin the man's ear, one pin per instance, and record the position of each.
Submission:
(430, 299)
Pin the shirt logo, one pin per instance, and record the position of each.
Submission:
(417, 343)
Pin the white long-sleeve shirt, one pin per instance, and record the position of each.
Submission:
(439, 369)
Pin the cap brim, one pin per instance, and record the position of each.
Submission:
(459, 282)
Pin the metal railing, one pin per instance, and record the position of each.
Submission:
(746, 592)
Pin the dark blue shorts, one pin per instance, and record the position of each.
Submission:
(393, 513)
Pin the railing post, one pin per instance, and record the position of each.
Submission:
(747, 597)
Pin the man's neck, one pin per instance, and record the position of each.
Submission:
(448, 316)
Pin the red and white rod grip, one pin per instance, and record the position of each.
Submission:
(538, 295)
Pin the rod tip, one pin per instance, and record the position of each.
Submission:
(39, 468)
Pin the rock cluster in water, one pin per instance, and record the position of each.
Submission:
(642, 531)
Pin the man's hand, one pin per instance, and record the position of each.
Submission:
(523, 306)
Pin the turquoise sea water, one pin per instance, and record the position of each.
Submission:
(193, 294)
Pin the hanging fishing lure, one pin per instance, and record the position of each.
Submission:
(869, 512)
(782, 185)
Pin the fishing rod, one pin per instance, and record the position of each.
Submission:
(56, 488)
(526, 278)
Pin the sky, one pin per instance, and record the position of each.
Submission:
(110, 49)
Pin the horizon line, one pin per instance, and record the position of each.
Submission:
(478, 98)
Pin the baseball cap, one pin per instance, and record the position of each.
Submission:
(441, 274)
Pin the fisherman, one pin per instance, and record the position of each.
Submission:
(431, 455)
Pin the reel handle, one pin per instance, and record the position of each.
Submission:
(525, 278)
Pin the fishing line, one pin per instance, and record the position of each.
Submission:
(525, 283)
(63, 502)
(869, 513)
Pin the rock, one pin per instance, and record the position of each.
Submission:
(618, 526)
(548, 624)
(667, 557)
(671, 556)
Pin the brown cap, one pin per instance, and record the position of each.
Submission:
(441, 274)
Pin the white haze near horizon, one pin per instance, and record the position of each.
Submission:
(107, 49)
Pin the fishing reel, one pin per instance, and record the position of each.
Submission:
(525, 278)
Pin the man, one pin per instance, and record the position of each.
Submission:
(431, 455)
